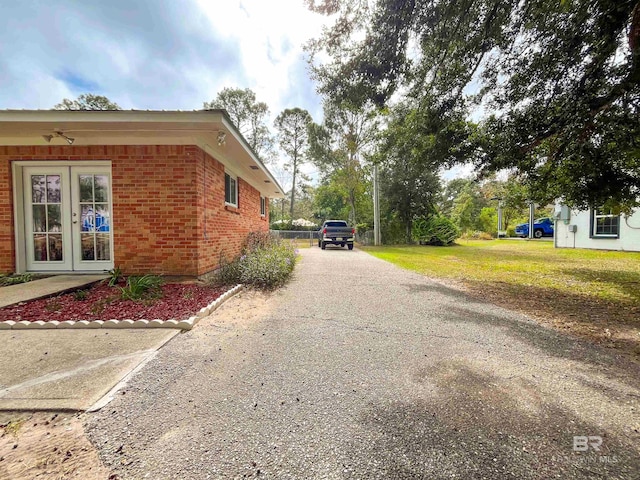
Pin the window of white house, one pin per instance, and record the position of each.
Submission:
(263, 206)
(605, 224)
(230, 190)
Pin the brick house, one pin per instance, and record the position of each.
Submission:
(147, 191)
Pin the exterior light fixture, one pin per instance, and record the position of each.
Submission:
(48, 138)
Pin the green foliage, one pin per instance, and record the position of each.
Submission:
(465, 211)
(563, 75)
(248, 115)
(293, 137)
(139, 288)
(80, 295)
(338, 146)
(115, 275)
(15, 279)
(435, 231)
(87, 101)
(413, 146)
(267, 267)
(488, 220)
(266, 262)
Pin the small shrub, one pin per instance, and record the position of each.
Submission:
(115, 275)
(266, 262)
(80, 295)
(145, 287)
(258, 240)
(268, 267)
(227, 273)
(435, 231)
(15, 279)
(100, 305)
(53, 305)
(477, 235)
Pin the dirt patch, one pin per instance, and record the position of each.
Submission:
(54, 446)
(47, 445)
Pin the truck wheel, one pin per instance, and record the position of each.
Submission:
(318, 243)
(538, 233)
(323, 245)
(342, 244)
(350, 246)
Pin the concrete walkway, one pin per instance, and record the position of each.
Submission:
(358, 369)
(45, 287)
(69, 369)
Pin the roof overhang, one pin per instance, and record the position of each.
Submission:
(211, 130)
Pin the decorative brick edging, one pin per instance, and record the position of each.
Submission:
(182, 324)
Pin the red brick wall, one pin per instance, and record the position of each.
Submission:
(7, 252)
(222, 229)
(158, 206)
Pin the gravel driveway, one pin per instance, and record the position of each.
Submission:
(358, 369)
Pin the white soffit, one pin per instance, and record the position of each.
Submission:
(120, 127)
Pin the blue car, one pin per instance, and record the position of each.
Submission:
(542, 227)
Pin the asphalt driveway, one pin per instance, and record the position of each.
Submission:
(358, 369)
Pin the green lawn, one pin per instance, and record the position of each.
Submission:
(525, 266)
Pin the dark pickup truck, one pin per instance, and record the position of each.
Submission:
(336, 232)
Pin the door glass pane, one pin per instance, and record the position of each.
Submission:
(54, 222)
(101, 188)
(55, 248)
(40, 248)
(39, 218)
(53, 188)
(102, 217)
(87, 218)
(37, 188)
(88, 251)
(86, 188)
(103, 247)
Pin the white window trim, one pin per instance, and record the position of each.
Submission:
(235, 179)
(263, 206)
(596, 216)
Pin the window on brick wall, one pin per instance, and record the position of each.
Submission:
(230, 190)
(263, 206)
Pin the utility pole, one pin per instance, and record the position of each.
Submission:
(376, 207)
(500, 205)
(532, 212)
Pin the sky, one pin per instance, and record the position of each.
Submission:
(157, 54)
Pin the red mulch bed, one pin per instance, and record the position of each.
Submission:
(178, 302)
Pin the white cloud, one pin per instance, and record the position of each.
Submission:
(270, 37)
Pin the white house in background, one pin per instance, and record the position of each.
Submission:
(597, 229)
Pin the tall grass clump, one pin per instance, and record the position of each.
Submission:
(266, 262)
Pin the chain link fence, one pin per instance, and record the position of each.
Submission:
(303, 236)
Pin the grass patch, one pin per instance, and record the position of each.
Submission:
(14, 426)
(590, 292)
(611, 276)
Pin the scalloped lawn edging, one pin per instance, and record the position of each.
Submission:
(126, 323)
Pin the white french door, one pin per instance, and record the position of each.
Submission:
(68, 218)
